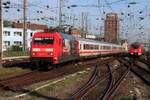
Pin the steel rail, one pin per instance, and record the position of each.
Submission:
(138, 70)
(83, 90)
(111, 91)
(109, 85)
(86, 86)
(141, 73)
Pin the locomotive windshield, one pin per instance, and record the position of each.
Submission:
(43, 40)
(135, 45)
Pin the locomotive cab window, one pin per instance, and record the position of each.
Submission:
(43, 40)
(135, 46)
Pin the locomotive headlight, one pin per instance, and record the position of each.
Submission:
(48, 50)
(33, 53)
(36, 49)
(139, 53)
(55, 58)
(51, 53)
(140, 50)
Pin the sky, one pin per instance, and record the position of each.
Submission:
(134, 15)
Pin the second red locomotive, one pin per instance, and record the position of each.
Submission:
(136, 49)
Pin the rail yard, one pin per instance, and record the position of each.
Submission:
(103, 78)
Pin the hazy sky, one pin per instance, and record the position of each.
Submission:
(134, 14)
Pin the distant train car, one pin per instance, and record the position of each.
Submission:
(57, 47)
(90, 48)
(136, 49)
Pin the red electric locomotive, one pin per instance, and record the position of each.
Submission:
(53, 47)
(136, 49)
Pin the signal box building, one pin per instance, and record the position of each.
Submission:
(111, 28)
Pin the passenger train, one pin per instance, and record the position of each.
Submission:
(56, 47)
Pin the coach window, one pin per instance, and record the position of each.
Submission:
(108, 47)
(97, 47)
(86, 46)
(81, 46)
(90, 47)
(101, 47)
(63, 43)
(94, 46)
(114, 47)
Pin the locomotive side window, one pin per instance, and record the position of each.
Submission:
(43, 40)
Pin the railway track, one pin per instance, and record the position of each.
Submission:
(109, 85)
(144, 59)
(113, 85)
(25, 60)
(18, 82)
(147, 56)
(12, 61)
(83, 90)
(97, 79)
(146, 62)
(141, 72)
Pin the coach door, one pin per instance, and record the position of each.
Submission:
(66, 47)
(73, 48)
(76, 47)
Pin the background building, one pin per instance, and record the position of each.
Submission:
(13, 35)
(76, 32)
(111, 28)
(125, 44)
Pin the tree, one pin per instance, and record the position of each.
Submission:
(7, 23)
